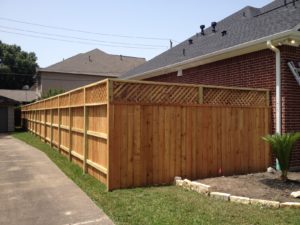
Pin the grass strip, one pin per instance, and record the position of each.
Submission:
(161, 205)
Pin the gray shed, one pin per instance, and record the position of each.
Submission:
(7, 120)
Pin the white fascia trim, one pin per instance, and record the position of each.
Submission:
(244, 48)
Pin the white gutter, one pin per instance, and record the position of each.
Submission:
(278, 86)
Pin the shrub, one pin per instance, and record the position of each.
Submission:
(282, 146)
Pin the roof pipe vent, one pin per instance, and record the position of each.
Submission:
(179, 73)
(213, 25)
(285, 3)
(183, 51)
(190, 41)
(224, 32)
(202, 29)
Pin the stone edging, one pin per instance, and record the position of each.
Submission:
(206, 190)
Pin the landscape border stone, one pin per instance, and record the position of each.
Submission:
(206, 190)
(239, 199)
(220, 196)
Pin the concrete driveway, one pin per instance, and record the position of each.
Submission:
(34, 191)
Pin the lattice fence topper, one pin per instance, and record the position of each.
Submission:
(154, 93)
(77, 97)
(64, 100)
(129, 92)
(96, 93)
(234, 97)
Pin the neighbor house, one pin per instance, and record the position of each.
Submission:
(250, 48)
(83, 69)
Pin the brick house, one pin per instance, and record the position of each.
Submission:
(83, 69)
(250, 48)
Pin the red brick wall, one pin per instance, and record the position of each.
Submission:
(255, 70)
(291, 98)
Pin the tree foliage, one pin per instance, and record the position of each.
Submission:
(52, 92)
(17, 67)
(282, 146)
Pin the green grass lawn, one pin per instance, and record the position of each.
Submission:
(162, 205)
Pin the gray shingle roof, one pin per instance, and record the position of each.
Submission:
(96, 62)
(248, 24)
(19, 95)
(7, 101)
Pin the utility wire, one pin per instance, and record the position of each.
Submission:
(79, 42)
(83, 31)
(78, 38)
(55, 79)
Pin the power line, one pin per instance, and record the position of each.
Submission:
(78, 42)
(82, 31)
(78, 38)
(53, 79)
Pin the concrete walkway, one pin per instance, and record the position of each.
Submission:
(33, 191)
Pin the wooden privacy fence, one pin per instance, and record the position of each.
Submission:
(134, 133)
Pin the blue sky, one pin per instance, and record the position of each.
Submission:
(156, 19)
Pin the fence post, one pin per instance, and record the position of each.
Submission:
(84, 132)
(34, 122)
(200, 100)
(110, 91)
(70, 128)
(40, 122)
(51, 128)
(59, 121)
(45, 118)
(109, 99)
(268, 98)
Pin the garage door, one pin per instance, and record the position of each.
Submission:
(3, 119)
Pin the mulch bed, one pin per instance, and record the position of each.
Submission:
(265, 186)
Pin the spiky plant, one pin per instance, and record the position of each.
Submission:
(282, 146)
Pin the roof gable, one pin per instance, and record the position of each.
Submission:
(96, 62)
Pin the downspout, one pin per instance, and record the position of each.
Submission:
(278, 92)
(278, 86)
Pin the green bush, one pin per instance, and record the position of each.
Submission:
(282, 146)
(52, 92)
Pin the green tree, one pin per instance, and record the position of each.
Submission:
(17, 67)
(282, 146)
(52, 92)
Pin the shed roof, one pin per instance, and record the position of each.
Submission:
(19, 95)
(7, 101)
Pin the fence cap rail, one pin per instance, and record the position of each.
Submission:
(187, 85)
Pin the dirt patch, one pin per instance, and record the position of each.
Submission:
(266, 186)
